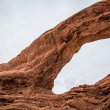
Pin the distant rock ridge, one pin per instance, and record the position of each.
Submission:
(26, 81)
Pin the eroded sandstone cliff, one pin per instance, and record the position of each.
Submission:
(26, 81)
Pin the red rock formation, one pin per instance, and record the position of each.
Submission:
(26, 81)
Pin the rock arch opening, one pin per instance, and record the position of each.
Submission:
(89, 65)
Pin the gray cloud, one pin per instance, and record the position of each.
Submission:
(89, 65)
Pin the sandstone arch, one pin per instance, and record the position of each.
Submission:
(31, 74)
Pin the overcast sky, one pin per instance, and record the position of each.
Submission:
(22, 21)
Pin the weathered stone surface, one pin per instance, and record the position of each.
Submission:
(26, 81)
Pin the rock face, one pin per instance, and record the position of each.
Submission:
(26, 81)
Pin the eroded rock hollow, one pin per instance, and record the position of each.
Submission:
(26, 81)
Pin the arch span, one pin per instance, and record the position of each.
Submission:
(45, 57)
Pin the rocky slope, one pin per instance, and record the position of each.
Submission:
(26, 81)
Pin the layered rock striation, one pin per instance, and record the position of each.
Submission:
(26, 81)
